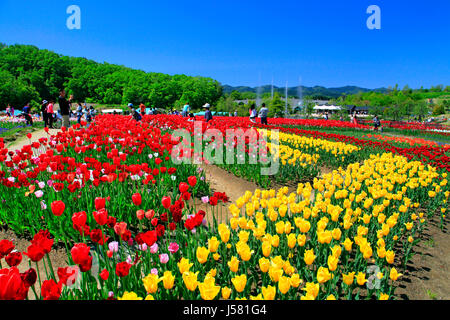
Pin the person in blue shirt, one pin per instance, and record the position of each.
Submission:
(26, 113)
(186, 109)
(208, 114)
(136, 115)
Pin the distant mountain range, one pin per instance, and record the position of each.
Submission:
(306, 91)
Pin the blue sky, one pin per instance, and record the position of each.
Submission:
(249, 42)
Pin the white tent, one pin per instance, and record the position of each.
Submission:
(327, 108)
(112, 110)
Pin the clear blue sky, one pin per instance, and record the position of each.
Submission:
(249, 42)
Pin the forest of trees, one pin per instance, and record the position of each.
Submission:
(29, 75)
(400, 103)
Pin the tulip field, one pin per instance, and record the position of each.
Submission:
(138, 219)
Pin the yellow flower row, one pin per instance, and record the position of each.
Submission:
(290, 156)
(313, 145)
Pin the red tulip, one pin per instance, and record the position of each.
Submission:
(6, 247)
(12, 286)
(79, 218)
(58, 208)
(80, 253)
(183, 187)
(104, 275)
(35, 253)
(123, 269)
(140, 214)
(137, 199)
(192, 180)
(100, 203)
(120, 228)
(14, 259)
(50, 290)
(166, 201)
(29, 277)
(101, 216)
(150, 214)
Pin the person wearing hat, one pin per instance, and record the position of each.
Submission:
(44, 112)
(208, 114)
(136, 116)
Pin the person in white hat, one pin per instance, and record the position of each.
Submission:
(208, 114)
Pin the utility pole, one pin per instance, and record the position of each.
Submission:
(286, 102)
(272, 89)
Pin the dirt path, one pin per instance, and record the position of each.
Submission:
(58, 257)
(35, 136)
(427, 275)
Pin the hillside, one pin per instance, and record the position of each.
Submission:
(306, 91)
(28, 74)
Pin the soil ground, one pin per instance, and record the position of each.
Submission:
(427, 272)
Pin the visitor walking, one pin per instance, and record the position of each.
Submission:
(235, 113)
(64, 107)
(44, 112)
(376, 123)
(26, 113)
(186, 110)
(253, 113)
(50, 114)
(263, 112)
(208, 114)
(8, 110)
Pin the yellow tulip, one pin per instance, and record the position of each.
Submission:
(347, 244)
(202, 254)
(269, 292)
(266, 248)
(224, 233)
(312, 289)
(151, 283)
(168, 280)
(295, 280)
(239, 282)
(275, 241)
(129, 296)
(233, 264)
(264, 264)
(309, 257)
(275, 273)
(284, 284)
(291, 240)
(361, 278)
(213, 244)
(348, 278)
(332, 262)
(184, 265)
(384, 296)
(393, 275)
(390, 255)
(190, 280)
(301, 240)
(208, 290)
(323, 275)
(226, 292)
